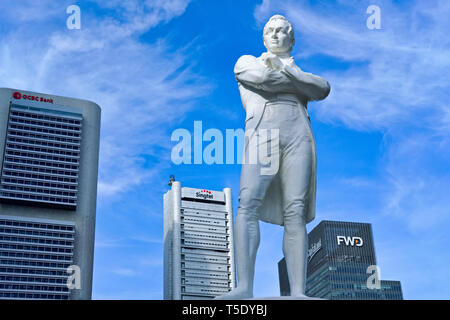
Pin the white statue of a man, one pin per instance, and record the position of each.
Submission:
(275, 93)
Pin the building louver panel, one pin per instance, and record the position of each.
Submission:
(198, 243)
(205, 235)
(41, 159)
(34, 257)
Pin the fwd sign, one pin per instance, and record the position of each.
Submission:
(350, 241)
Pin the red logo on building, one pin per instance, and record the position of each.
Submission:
(205, 194)
(18, 96)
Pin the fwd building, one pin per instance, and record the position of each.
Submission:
(198, 244)
(342, 265)
(49, 149)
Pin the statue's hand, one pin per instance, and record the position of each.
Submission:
(272, 61)
(291, 63)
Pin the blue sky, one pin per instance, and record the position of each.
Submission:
(157, 65)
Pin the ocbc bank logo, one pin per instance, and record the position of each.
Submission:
(350, 241)
(17, 95)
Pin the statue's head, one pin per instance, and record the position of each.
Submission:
(278, 35)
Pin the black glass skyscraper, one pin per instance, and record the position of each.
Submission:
(342, 264)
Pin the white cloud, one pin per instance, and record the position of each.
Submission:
(133, 82)
(395, 82)
(126, 241)
(405, 64)
(398, 85)
(31, 11)
(125, 272)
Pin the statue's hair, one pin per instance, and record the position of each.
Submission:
(290, 28)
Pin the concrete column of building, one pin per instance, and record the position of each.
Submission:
(229, 208)
(176, 276)
(168, 230)
(85, 215)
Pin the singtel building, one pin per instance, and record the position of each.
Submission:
(339, 256)
(49, 149)
(198, 243)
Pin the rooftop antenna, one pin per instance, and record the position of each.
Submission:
(171, 179)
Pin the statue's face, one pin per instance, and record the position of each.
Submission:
(276, 37)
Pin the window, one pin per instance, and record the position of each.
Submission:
(41, 148)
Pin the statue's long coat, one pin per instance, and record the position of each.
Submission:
(257, 85)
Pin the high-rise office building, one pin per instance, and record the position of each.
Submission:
(49, 148)
(341, 260)
(198, 244)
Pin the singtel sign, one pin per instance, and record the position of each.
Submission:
(204, 194)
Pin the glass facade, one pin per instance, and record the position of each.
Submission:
(41, 159)
(34, 257)
(338, 259)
